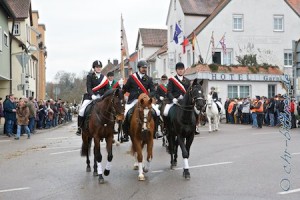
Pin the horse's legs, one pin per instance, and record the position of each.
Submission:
(109, 155)
(185, 148)
(209, 123)
(149, 154)
(85, 149)
(138, 148)
(98, 159)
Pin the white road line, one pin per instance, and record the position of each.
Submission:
(290, 191)
(296, 153)
(49, 148)
(5, 140)
(197, 166)
(15, 189)
(265, 133)
(57, 138)
(62, 152)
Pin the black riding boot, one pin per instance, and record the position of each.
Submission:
(79, 124)
(125, 127)
(156, 133)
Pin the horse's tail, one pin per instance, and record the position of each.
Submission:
(86, 148)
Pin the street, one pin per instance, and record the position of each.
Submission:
(237, 162)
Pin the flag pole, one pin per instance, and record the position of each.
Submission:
(122, 61)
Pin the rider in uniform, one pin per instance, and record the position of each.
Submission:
(111, 82)
(161, 92)
(177, 87)
(96, 84)
(215, 97)
(138, 83)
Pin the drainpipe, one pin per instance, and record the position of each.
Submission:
(10, 56)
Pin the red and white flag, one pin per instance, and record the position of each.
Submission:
(222, 42)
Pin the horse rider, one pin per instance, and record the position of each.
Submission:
(111, 82)
(138, 83)
(177, 87)
(161, 91)
(215, 98)
(96, 84)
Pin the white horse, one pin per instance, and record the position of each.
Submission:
(212, 113)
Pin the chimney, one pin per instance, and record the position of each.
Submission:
(116, 62)
(108, 61)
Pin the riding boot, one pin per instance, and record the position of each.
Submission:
(156, 133)
(79, 124)
(125, 128)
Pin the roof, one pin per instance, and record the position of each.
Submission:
(7, 8)
(21, 8)
(160, 51)
(295, 5)
(152, 37)
(234, 70)
(198, 7)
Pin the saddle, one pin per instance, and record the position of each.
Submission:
(88, 111)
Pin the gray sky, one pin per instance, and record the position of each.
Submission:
(79, 32)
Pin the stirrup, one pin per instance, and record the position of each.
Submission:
(78, 132)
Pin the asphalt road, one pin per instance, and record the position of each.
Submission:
(237, 162)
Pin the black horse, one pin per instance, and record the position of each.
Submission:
(99, 125)
(181, 124)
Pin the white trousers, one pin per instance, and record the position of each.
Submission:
(128, 106)
(84, 104)
(167, 108)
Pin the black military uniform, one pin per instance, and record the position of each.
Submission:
(162, 89)
(215, 97)
(93, 88)
(113, 83)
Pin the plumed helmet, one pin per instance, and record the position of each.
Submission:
(97, 63)
(164, 77)
(179, 65)
(212, 88)
(110, 74)
(142, 63)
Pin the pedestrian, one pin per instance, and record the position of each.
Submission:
(32, 114)
(23, 114)
(1, 109)
(259, 109)
(9, 107)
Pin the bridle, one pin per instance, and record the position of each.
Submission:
(194, 99)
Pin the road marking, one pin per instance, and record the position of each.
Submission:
(296, 153)
(5, 140)
(264, 133)
(57, 138)
(290, 191)
(15, 189)
(62, 152)
(48, 148)
(196, 166)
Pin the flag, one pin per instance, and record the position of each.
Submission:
(212, 41)
(124, 43)
(193, 41)
(184, 44)
(222, 42)
(176, 33)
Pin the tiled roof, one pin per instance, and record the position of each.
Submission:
(295, 4)
(234, 70)
(7, 8)
(198, 7)
(153, 37)
(21, 8)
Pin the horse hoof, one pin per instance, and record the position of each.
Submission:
(95, 173)
(141, 177)
(186, 174)
(145, 169)
(106, 172)
(135, 167)
(101, 179)
(88, 169)
(117, 143)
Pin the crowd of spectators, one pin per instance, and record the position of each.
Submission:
(43, 114)
(261, 111)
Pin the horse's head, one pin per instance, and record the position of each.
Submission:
(118, 104)
(209, 100)
(145, 101)
(145, 107)
(196, 94)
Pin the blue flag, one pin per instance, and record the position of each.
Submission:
(176, 33)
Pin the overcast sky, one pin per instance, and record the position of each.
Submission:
(79, 32)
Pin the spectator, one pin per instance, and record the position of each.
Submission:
(245, 111)
(10, 115)
(1, 109)
(32, 114)
(271, 111)
(23, 114)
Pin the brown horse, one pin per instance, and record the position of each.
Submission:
(141, 132)
(100, 125)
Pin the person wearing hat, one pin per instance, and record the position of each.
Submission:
(96, 85)
(161, 92)
(215, 97)
(111, 82)
(177, 87)
(138, 83)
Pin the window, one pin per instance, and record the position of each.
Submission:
(238, 22)
(17, 28)
(28, 33)
(288, 58)
(238, 91)
(216, 58)
(171, 33)
(5, 39)
(271, 91)
(227, 58)
(278, 22)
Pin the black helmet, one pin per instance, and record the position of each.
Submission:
(97, 63)
(142, 63)
(110, 74)
(212, 88)
(179, 65)
(164, 77)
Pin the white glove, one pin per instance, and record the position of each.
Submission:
(161, 98)
(175, 100)
(121, 82)
(180, 97)
(94, 97)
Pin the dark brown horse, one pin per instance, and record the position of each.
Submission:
(99, 125)
(141, 132)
